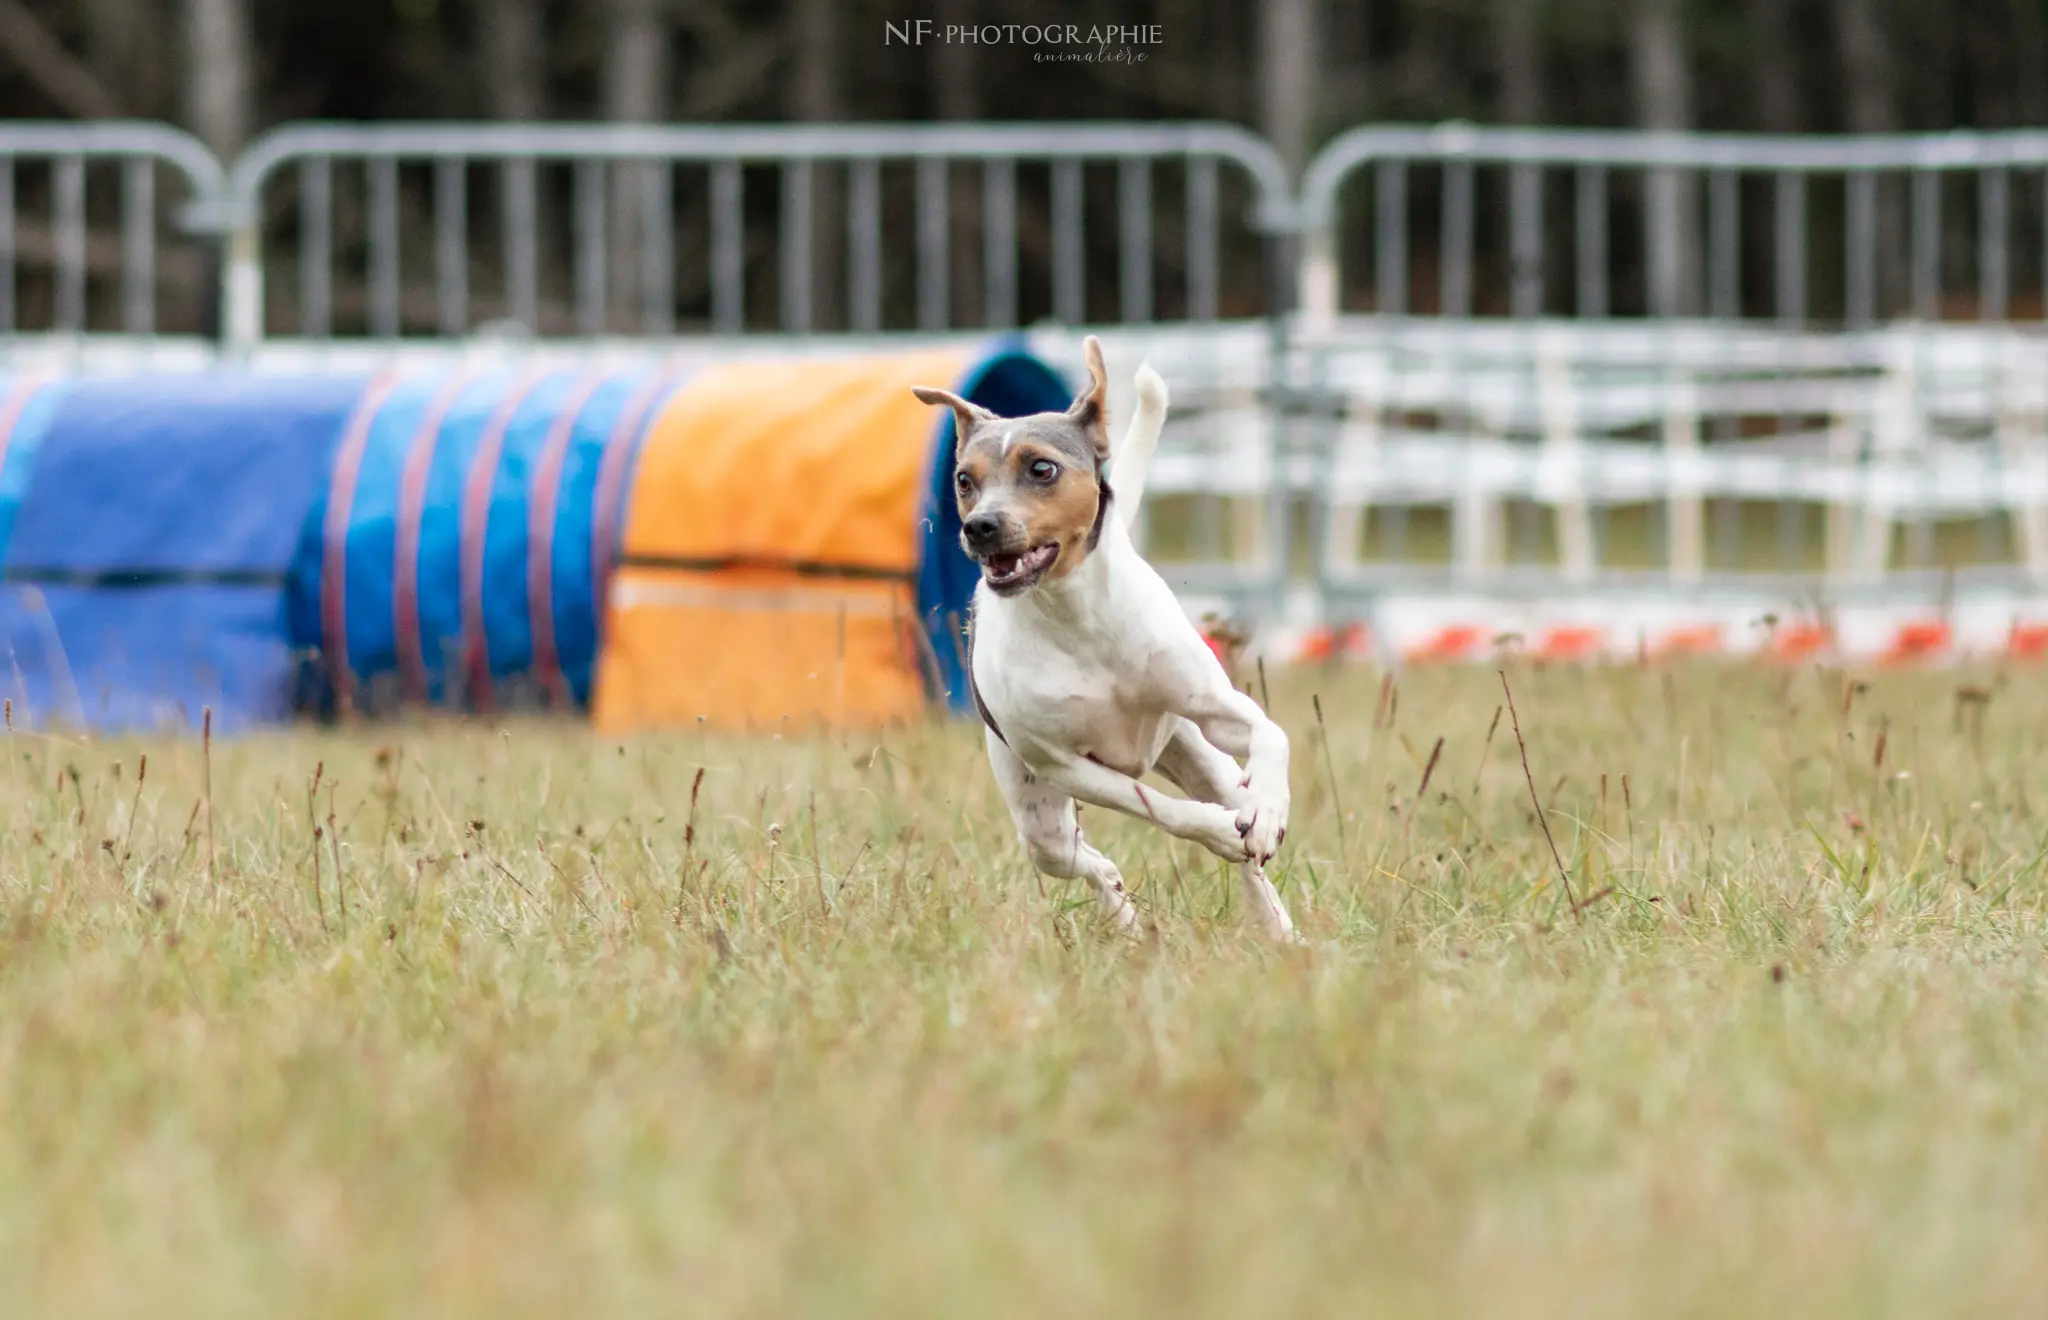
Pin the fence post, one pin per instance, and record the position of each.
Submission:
(1269, 534)
(1315, 220)
(1895, 432)
(2023, 449)
(1355, 446)
(1475, 519)
(1845, 441)
(1320, 294)
(241, 283)
(1562, 459)
(1685, 527)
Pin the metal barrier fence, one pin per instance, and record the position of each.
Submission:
(1571, 456)
(659, 228)
(1327, 456)
(1850, 230)
(655, 230)
(59, 275)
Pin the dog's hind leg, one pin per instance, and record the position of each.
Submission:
(1200, 770)
(1051, 832)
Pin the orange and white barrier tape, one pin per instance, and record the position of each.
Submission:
(1424, 630)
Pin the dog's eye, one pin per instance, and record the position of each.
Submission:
(963, 483)
(1044, 469)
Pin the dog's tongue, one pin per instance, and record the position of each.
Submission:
(1004, 565)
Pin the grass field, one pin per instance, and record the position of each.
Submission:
(471, 1021)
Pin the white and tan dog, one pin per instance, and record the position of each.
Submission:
(1085, 668)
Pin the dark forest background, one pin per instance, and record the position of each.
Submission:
(1296, 69)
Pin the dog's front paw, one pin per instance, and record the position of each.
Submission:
(1263, 827)
(1218, 832)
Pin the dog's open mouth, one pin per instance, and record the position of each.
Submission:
(1014, 572)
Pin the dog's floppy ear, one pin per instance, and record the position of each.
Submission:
(965, 414)
(1090, 410)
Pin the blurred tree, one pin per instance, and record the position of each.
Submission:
(1660, 71)
(1870, 98)
(636, 62)
(219, 91)
(1519, 52)
(1297, 69)
(1777, 77)
(1866, 66)
(1219, 76)
(1662, 77)
(1290, 53)
(816, 90)
(1871, 105)
(635, 92)
(2030, 51)
(514, 70)
(955, 93)
(817, 94)
(37, 53)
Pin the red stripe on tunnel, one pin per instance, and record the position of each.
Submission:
(540, 540)
(341, 495)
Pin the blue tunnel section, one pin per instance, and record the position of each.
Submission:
(144, 559)
(27, 403)
(455, 553)
(1010, 382)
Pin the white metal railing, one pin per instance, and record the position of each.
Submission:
(631, 186)
(728, 229)
(55, 178)
(1885, 186)
(1570, 455)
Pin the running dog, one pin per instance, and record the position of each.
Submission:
(1085, 668)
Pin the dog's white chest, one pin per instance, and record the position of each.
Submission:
(1090, 695)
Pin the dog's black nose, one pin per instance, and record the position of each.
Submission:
(983, 531)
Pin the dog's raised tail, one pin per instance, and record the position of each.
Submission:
(1134, 456)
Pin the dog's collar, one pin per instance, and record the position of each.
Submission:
(975, 688)
(1103, 496)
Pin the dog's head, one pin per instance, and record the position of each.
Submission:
(1033, 491)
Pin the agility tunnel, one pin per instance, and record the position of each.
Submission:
(268, 547)
(459, 550)
(792, 549)
(745, 545)
(144, 559)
